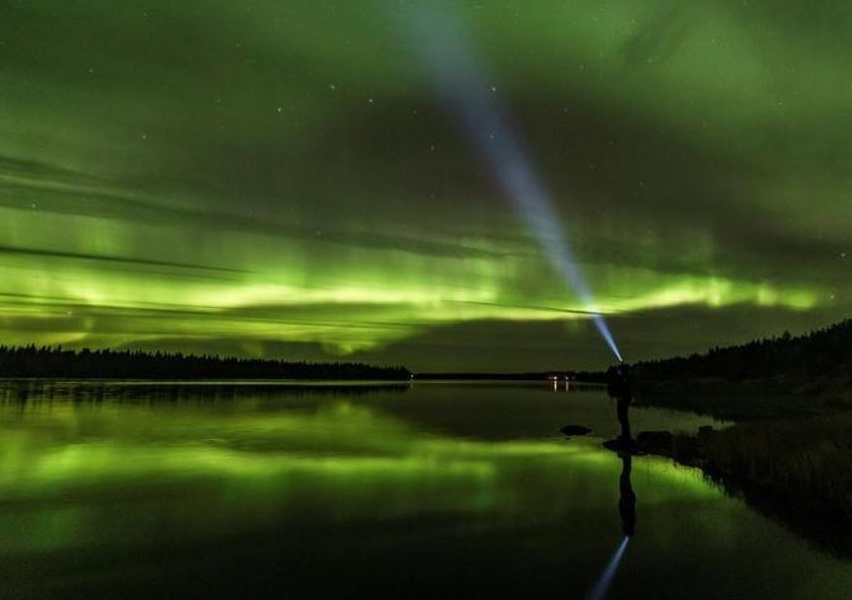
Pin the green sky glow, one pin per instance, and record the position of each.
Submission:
(280, 179)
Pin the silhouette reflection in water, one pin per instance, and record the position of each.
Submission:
(624, 445)
(627, 497)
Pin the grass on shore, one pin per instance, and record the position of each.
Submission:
(807, 461)
(792, 440)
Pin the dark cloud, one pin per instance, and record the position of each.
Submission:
(74, 199)
(111, 259)
(653, 41)
(493, 346)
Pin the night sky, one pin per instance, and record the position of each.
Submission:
(286, 178)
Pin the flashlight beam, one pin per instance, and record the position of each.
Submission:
(462, 84)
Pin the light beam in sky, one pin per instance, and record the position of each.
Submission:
(461, 81)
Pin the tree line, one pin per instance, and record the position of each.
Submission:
(56, 362)
(825, 352)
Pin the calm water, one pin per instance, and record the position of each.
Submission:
(437, 490)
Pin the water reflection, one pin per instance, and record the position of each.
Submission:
(627, 497)
(38, 390)
(625, 446)
(268, 495)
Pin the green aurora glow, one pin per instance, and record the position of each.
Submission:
(279, 179)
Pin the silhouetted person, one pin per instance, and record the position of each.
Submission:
(619, 388)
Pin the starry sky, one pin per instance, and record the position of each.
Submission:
(285, 179)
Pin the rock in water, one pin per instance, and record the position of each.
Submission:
(570, 430)
(656, 442)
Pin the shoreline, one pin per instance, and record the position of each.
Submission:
(787, 455)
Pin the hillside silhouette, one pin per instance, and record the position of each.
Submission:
(50, 362)
(824, 354)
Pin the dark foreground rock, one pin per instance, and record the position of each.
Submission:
(570, 430)
(655, 442)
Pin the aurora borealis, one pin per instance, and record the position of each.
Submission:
(281, 179)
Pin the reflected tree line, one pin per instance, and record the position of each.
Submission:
(48, 390)
(56, 362)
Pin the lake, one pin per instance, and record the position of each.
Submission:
(139, 490)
